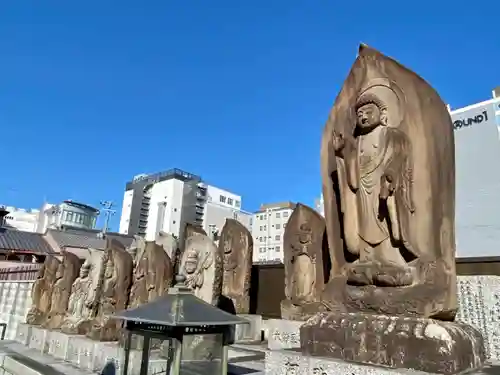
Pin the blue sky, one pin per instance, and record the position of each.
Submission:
(95, 92)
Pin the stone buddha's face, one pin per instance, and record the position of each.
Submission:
(368, 116)
(109, 268)
(191, 262)
(84, 271)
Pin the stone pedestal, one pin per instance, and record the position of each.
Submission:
(283, 334)
(252, 332)
(23, 334)
(38, 338)
(57, 345)
(393, 341)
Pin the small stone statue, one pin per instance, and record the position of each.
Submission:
(114, 293)
(306, 261)
(202, 266)
(41, 294)
(236, 245)
(65, 275)
(82, 306)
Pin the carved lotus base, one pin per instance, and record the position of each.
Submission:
(431, 299)
(54, 321)
(394, 341)
(104, 330)
(35, 317)
(290, 311)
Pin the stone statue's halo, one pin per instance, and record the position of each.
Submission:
(391, 95)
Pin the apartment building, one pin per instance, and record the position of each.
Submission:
(268, 228)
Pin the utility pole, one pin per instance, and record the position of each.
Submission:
(108, 212)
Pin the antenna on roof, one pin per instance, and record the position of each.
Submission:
(108, 212)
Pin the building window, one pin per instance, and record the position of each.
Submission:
(230, 201)
(261, 239)
(222, 199)
(173, 222)
(175, 209)
(262, 250)
(237, 204)
(277, 237)
(69, 216)
(261, 217)
(278, 215)
(285, 214)
(277, 248)
(278, 226)
(265, 227)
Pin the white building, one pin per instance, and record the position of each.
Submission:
(166, 201)
(22, 219)
(319, 205)
(477, 152)
(268, 228)
(67, 214)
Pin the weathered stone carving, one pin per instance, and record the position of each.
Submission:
(388, 171)
(394, 341)
(41, 294)
(114, 294)
(236, 245)
(65, 276)
(306, 261)
(202, 266)
(153, 274)
(85, 293)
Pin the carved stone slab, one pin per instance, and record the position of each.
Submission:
(397, 342)
(236, 247)
(65, 276)
(114, 294)
(202, 266)
(41, 294)
(283, 334)
(306, 261)
(388, 171)
(153, 274)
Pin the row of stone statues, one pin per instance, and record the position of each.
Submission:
(80, 299)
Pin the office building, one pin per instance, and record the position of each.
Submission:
(166, 201)
(477, 152)
(268, 228)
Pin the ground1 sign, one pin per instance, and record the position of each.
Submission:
(474, 116)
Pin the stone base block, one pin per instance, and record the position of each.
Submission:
(23, 334)
(394, 341)
(251, 332)
(285, 362)
(38, 338)
(283, 334)
(57, 344)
